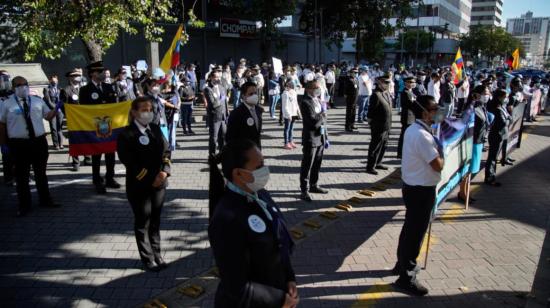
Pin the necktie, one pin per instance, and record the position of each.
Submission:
(27, 111)
(149, 134)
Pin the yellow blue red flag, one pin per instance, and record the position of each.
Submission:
(172, 56)
(93, 129)
(457, 66)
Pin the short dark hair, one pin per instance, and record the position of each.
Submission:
(310, 84)
(17, 78)
(247, 85)
(423, 101)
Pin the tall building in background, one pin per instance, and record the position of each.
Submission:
(486, 12)
(452, 14)
(534, 34)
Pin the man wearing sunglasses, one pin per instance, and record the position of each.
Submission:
(22, 128)
(407, 115)
(379, 117)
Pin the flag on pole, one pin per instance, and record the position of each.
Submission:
(93, 129)
(515, 56)
(172, 56)
(457, 66)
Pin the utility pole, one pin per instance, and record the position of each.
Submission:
(204, 44)
(417, 32)
(315, 32)
(321, 37)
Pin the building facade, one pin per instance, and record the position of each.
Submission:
(534, 34)
(486, 12)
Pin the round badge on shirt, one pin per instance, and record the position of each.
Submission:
(250, 121)
(256, 224)
(74, 97)
(95, 95)
(144, 140)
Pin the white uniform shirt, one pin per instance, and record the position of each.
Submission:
(330, 77)
(464, 90)
(365, 85)
(419, 149)
(433, 90)
(12, 114)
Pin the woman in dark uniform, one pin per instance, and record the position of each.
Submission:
(497, 133)
(144, 152)
(247, 232)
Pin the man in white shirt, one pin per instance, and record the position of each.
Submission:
(365, 91)
(330, 77)
(462, 94)
(434, 86)
(22, 128)
(421, 171)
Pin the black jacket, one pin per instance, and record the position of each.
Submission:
(312, 134)
(352, 86)
(407, 100)
(448, 93)
(420, 89)
(253, 272)
(51, 94)
(91, 95)
(379, 111)
(481, 125)
(217, 106)
(241, 125)
(143, 162)
(499, 128)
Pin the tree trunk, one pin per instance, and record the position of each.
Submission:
(265, 43)
(358, 47)
(94, 50)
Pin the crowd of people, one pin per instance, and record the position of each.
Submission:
(236, 96)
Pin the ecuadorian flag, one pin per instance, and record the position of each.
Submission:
(93, 129)
(457, 66)
(172, 56)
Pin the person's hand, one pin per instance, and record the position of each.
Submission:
(159, 180)
(290, 302)
(439, 146)
(292, 289)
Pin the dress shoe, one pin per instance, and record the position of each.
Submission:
(412, 287)
(472, 200)
(161, 263)
(395, 269)
(318, 190)
(510, 159)
(87, 162)
(381, 167)
(372, 171)
(306, 197)
(112, 184)
(100, 188)
(509, 163)
(75, 168)
(191, 132)
(150, 267)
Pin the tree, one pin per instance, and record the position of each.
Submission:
(270, 13)
(490, 42)
(47, 27)
(367, 21)
(425, 40)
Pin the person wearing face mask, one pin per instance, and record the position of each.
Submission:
(408, 98)
(248, 234)
(22, 129)
(238, 80)
(434, 86)
(217, 111)
(420, 89)
(274, 94)
(245, 122)
(291, 112)
(190, 74)
(330, 77)
(379, 118)
(7, 159)
(448, 95)
(352, 91)
(51, 96)
(314, 136)
(463, 90)
(69, 95)
(187, 98)
(160, 104)
(365, 91)
(420, 171)
(94, 93)
(145, 153)
(497, 133)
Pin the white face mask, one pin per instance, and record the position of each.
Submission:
(317, 92)
(261, 177)
(22, 91)
(144, 118)
(155, 91)
(252, 100)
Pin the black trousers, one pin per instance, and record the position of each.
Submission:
(377, 146)
(147, 207)
(460, 105)
(495, 146)
(56, 128)
(419, 202)
(216, 132)
(311, 166)
(109, 165)
(7, 163)
(351, 110)
(330, 88)
(401, 139)
(504, 153)
(76, 160)
(26, 153)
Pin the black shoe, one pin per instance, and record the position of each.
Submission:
(185, 133)
(372, 171)
(75, 168)
(349, 130)
(354, 128)
(395, 269)
(472, 200)
(510, 159)
(381, 167)
(100, 188)
(306, 197)
(49, 204)
(87, 162)
(493, 183)
(112, 184)
(150, 267)
(191, 132)
(412, 287)
(318, 190)
(509, 163)
(161, 263)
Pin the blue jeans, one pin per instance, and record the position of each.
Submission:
(235, 97)
(363, 106)
(289, 126)
(186, 117)
(274, 99)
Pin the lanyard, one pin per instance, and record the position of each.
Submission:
(21, 107)
(250, 197)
